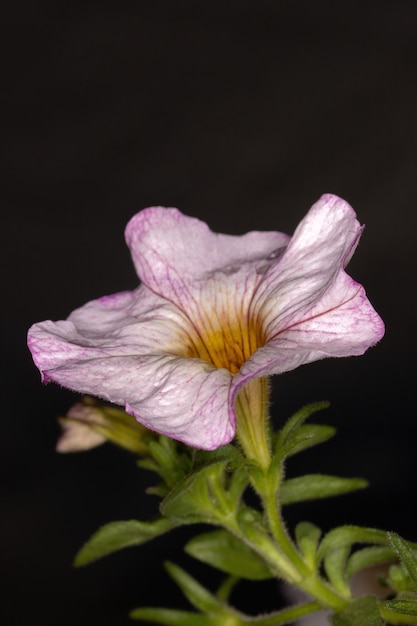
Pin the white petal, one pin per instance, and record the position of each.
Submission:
(125, 349)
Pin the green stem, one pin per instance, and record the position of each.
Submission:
(278, 530)
(311, 582)
(276, 547)
(284, 568)
(295, 569)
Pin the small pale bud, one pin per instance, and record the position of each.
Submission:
(78, 433)
(89, 424)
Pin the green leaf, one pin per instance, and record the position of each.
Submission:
(334, 565)
(316, 486)
(397, 617)
(196, 594)
(307, 436)
(399, 579)
(171, 617)
(208, 495)
(348, 535)
(361, 612)
(238, 480)
(404, 606)
(287, 433)
(226, 587)
(286, 616)
(366, 557)
(254, 528)
(307, 537)
(405, 553)
(193, 499)
(118, 535)
(229, 554)
(170, 463)
(229, 617)
(229, 454)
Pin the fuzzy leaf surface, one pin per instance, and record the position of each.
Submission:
(172, 617)
(362, 612)
(366, 557)
(404, 606)
(307, 436)
(405, 553)
(289, 430)
(222, 550)
(118, 535)
(348, 535)
(317, 486)
(307, 536)
(196, 594)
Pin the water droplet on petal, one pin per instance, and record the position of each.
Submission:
(269, 260)
(276, 254)
(230, 269)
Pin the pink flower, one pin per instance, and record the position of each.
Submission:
(212, 313)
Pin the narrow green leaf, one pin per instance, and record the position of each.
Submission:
(222, 550)
(404, 606)
(316, 486)
(171, 617)
(285, 616)
(288, 431)
(193, 499)
(405, 553)
(307, 537)
(196, 594)
(226, 587)
(334, 565)
(395, 617)
(238, 482)
(348, 535)
(117, 535)
(399, 579)
(366, 557)
(229, 454)
(172, 465)
(307, 436)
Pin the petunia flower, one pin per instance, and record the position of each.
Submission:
(189, 351)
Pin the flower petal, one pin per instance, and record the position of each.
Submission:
(210, 277)
(308, 306)
(319, 249)
(342, 323)
(125, 348)
(172, 251)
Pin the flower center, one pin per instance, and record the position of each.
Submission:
(227, 346)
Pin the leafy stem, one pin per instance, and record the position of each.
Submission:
(309, 579)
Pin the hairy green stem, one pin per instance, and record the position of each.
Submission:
(310, 582)
(279, 550)
(278, 530)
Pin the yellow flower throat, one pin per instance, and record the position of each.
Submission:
(228, 346)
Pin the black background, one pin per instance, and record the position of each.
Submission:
(239, 113)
